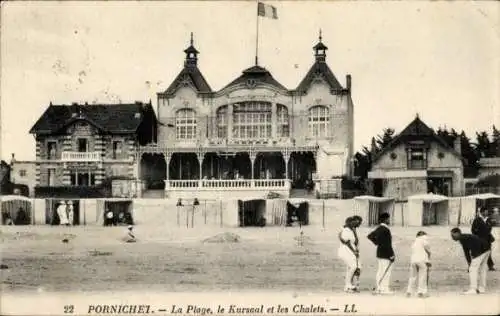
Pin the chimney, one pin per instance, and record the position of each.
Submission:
(348, 82)
(12, 160)
(457, 145)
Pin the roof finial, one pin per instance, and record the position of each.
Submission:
(191, 39)
(320, 36)
(418, 115)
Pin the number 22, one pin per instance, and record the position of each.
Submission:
(69, 309)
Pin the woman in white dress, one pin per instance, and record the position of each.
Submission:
(349, 253)
(71, 213)
(61, 211)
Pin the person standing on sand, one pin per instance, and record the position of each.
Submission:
(61, 212)
(481, 227)
(349, 253)
(419, 265)
(71, 213)
(382, 238)
(476, 252)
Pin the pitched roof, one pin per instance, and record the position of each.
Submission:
(319, 68)
(190, 73)
(257, 73)
(191, 49)
(111, 118)
(416, 130)
(320, 45)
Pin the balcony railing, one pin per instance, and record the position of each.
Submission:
(215, 185)
(81, 156)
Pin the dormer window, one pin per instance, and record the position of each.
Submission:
(417, 158)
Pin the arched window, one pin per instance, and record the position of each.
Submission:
(319, 121)
(222, 122)
(283, 122)
(252, 120)
(185, 124)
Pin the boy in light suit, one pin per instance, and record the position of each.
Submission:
(419, 265)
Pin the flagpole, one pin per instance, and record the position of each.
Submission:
(257, 36)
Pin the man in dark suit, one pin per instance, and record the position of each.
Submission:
(476, 251)
(382, 238)
(481, 227)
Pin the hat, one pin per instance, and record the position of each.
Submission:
(383, 217)
(61, 202)
(130, 226)
(70, 202)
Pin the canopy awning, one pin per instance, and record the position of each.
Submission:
(428, 197)
(407, 174)
(297, 201)
(5, 198)
(373, 198)
(249, 199)
(484, 196)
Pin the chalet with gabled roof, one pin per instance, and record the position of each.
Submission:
(80, 145)
(417, 161)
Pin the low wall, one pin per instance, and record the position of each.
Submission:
(236, 193)
(216, 213)
(165, 212)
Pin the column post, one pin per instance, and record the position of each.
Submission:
(286, 157)
(200, 155)
(252, 154)
(274, 120)
(229, 122)
(168, 157)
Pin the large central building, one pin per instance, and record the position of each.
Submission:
(253, 136)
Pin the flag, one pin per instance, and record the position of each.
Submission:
(267, 11)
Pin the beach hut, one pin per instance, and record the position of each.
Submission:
(297, 212)
(470, 204)
(287, 212)
(427, 209)
(16, 210)
(370, 207)
(51, 216)
(252, 212)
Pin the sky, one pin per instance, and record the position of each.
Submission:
(438, 59)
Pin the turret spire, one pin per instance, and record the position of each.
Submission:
(191, 53)
(320, 48)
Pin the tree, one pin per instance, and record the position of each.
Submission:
(482, 144)
(386, 137)
(363, 160)
(469, 154)
(495, 143)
